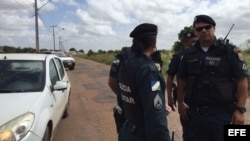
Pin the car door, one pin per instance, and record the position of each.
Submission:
(59, 97)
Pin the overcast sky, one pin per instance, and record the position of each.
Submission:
(106, 24)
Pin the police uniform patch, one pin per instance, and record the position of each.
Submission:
(116, 61)
(240, 56)
(157, 102)
(244, 67)
(239, 53)
(158, 66)
(155, 85)
(237, 49)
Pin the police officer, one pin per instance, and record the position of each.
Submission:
(212, 83)
(141, 89)
(187, 40)
(112, 81)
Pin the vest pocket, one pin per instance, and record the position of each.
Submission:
(224, 92)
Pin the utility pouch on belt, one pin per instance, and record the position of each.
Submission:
(119, 118)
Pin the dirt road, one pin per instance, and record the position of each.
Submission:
(91, 103)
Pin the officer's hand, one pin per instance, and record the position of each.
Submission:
(168, 109)
(171, 102)
(237, 118)
(182, 109)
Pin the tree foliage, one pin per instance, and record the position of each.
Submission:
(248, 46)
(90, 52)
(72, 49)
(10, 49)
(178, 46)
(81, 50)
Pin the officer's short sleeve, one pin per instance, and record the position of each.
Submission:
(238, 64)
(151, 87)
(114, 69)
(173, 65)
(182, 69)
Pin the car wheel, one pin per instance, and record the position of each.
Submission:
(71, 68)
(47, 135)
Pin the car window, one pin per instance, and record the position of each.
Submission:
(53, 72)
(21, 75)
(60, 67)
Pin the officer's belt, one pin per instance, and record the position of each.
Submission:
(212, 110)
(132, 128)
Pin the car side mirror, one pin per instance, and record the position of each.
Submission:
(60, 85)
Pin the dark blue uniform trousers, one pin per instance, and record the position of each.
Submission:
(202, 127)
(126, 135)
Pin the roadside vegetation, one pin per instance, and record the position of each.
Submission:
(107, 58)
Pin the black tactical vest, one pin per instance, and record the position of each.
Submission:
(128, 90)
(209, 76)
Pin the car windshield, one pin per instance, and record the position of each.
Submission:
(60, 54)
(21, 76)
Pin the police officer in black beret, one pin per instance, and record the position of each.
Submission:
(121, 57)
(187, 39)
(212, 84)
(141, 90)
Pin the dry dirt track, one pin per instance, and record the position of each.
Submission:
(91, 106)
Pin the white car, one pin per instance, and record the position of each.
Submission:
(34, 96)
(68, 61)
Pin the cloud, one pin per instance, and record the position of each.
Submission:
(105, 25)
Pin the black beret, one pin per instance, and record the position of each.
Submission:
(205, 19)
(143, 30)
(188, 34)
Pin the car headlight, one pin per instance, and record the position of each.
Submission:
(16, 128)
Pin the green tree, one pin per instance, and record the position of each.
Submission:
(81, 50)
(101, 51)
(72, 49)
(9, 49)
(91, 52)
(248, 46)
(178, 46)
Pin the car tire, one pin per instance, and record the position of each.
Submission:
(72, 68)
(47, 134)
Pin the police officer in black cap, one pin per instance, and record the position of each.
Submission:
(121, 57)
(187, 40)
(141, 89)
(212, 84)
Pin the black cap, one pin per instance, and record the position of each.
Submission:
(205, 19)
(143, 30)
(188, 34)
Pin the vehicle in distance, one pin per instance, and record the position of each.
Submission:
(34, 96)
(68, 61)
